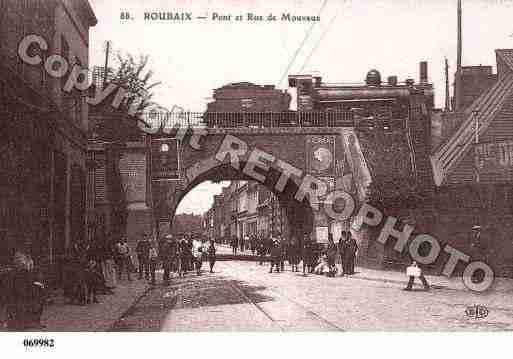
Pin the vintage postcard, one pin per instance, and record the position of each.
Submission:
(255, 166)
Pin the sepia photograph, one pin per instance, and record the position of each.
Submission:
(303, 166)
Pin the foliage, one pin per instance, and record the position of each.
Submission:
(132, 74)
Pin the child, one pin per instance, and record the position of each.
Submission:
(153, 257)
(322, 265)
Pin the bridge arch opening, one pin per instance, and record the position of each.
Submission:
(298, 214)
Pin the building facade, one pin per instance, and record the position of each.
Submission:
(45, 128)
(473, 167)
(245, 208)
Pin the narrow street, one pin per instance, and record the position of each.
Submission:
(243, 296)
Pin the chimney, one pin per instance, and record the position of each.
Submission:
(423, 72)
(392, 80)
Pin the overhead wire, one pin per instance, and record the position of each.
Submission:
(305, 38)
(326, 30)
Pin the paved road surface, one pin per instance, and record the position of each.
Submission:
(243, 296)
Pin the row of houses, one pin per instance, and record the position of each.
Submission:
(245, 208)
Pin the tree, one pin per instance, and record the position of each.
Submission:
(132, 74)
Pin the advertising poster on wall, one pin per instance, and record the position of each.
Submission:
(165, 159)
(320, 150)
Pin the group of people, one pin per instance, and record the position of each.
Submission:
(245, 243)
(181, 255)
(22, 292)
(316, 258)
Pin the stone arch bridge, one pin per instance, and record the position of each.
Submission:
(299, 162)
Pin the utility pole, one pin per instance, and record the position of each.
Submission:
(105, 69)
(447, 98)
(458, 95)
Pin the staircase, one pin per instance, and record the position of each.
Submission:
(487, 105)
(420, 144)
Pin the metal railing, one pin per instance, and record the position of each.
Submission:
(267, 120)
(250, 119)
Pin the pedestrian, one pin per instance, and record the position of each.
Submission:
(124, 263)
(283, 248)
(294, 253)
(143, 256)
(190, 257)
(261, 249)
(108, 264)
(478, 248)
(342, 249)
(153, 261)
(275, 256)
(234, 244)
(93, 280)
(166, 256)
(352, 249)
(331, 256)
(253, 244)
(197, 254)
(322, 265)
(211, 253)
(242, 243)
(414, 271)
(25, 292)
(307, 254)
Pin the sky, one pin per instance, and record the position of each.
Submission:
(192, 58)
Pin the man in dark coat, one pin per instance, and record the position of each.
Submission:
(342, 249)
(234, 244)
(352, 247)
(143, 256)
(166, 256)
(276, 254)
(307, 254)
(211, 255)
(294, 253)
(331, 253)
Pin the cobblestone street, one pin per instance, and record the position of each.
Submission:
(244, 296)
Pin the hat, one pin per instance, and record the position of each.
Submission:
(476, 227)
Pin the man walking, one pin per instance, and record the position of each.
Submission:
(307, 254)
(165, 256)
(234, 245)
(211, 254)
(242, 243)
(414, 271)
(197, 254)
(275, 256)
(123, 252)
(153, 259)
(143, 256)
(352, 248)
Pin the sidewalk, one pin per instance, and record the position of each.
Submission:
(388, 276)
(60, 316)
(441, 282)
